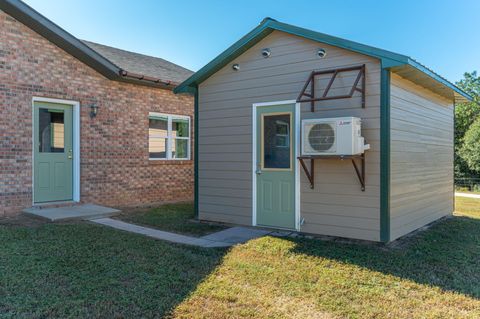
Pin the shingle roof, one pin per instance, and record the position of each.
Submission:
(141, 64)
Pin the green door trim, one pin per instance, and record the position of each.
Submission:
(75, 143)
(296, 150)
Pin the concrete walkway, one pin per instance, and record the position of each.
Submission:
(224, 238)
(100, 215)
(467, 195)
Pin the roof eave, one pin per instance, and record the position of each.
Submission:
(267, 26)
(388, 59)
(232, 52)
(457, 91)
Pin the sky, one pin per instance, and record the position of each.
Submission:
(443, 35)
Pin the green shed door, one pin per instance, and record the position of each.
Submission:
(53, 158)
(275, 165)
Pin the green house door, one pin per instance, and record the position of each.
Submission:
(53, 158)
(275, 167)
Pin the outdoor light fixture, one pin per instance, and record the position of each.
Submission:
(266, 52)
(93, 110)
(236, 67)
(322, 53)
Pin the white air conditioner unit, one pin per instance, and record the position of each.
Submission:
(333, 136)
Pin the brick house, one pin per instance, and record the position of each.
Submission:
(83, 122)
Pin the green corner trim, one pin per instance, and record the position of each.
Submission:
(195, 152)
(385, 155)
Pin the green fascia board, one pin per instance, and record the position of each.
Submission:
(242, 45)
(268, 25)
(392, 57)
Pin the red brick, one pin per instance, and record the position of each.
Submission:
(115, 169)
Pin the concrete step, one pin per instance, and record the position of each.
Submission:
(81, 212)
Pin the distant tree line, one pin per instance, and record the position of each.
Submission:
(467, 133)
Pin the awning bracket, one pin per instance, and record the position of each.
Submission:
(358, 86)
(310, 173)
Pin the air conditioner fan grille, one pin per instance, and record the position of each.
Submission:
(321, 137)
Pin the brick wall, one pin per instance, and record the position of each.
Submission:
(115, 169)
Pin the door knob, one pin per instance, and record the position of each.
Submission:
(258, 171)
(70, 154)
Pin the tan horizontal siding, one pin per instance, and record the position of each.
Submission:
(336, 206)
(421, 173)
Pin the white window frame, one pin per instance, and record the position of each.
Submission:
(286, 136)
(169, 137)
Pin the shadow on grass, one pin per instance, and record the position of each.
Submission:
(447, 255)
(84, 270)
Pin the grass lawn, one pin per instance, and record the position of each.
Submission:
(82, 270)
(176, 218)
(466, 206)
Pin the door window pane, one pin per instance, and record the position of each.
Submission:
(51, 128)
(276, 141)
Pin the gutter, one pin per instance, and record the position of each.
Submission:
(141, 77)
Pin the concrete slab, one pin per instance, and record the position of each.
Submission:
(237, 235)
(85, 211)
(159, 234)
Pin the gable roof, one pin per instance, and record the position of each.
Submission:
(114, 64)
(398, 63)
(138, 63)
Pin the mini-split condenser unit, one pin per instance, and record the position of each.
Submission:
(333, 136)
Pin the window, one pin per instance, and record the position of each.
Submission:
(51, 131)
(282, 136)
(276, 150)
(168, 137)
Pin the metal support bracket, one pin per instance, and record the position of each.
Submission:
(311, 83)
(310, 173)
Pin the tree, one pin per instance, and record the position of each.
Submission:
(465, 116)
(470, 150)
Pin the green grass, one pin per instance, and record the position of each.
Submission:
(176, 218)
(84, 270)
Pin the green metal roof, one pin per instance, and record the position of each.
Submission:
(388, 59)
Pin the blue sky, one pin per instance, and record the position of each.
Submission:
(443, 35)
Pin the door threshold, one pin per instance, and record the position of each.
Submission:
(54, 204)
(276, 228)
